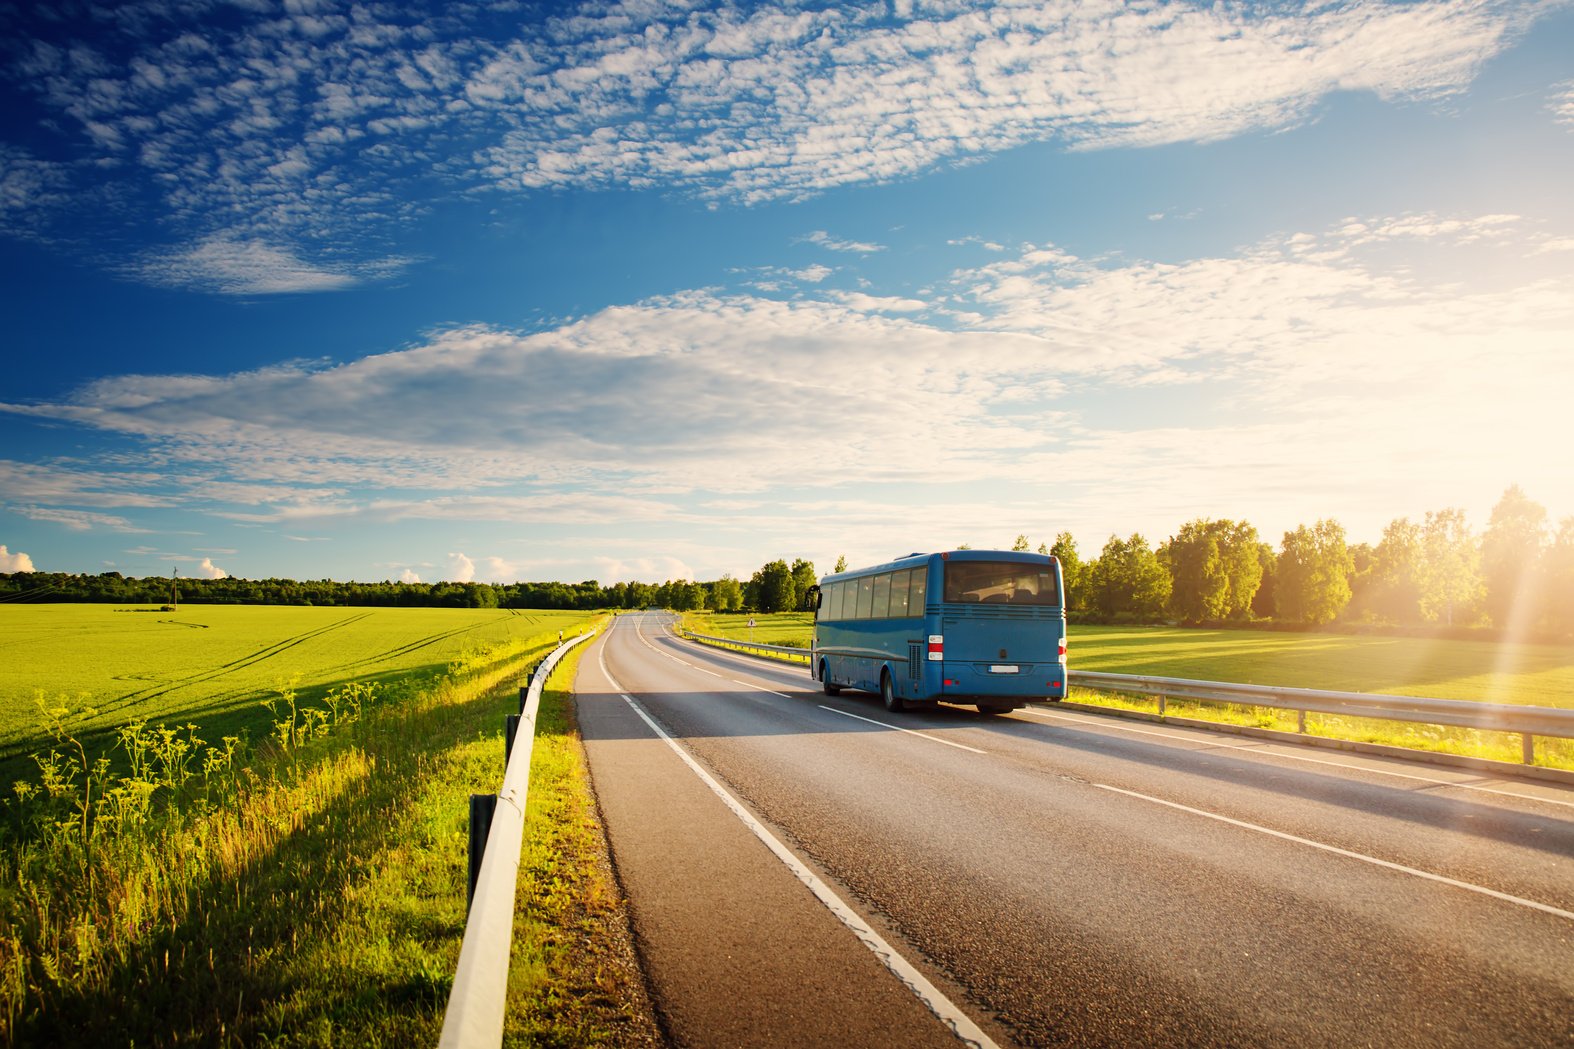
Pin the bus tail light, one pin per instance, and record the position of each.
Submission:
(936, 648)
(1062, 651)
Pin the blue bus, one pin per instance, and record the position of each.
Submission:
(985, 627)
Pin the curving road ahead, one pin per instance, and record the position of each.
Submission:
(1056, 878)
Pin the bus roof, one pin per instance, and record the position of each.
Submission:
(915, 560)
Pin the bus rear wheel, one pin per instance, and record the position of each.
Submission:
(825, 679)
(893, 702)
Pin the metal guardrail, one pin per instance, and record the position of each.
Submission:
(476, 1004)
(1525, 721)
(732, 642)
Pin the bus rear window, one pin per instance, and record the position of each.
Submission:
(1000, 582)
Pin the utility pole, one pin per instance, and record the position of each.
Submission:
(174, 593)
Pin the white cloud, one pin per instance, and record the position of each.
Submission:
(489, 569)
(76, 520)
(17, 562)
(1562, 103)
(29, 186)
(270, 138)
(842, 96)
(830, 243)
(657, 568)
(73, 483)
(208, 570)
(231, 266)
(1292, 360)
(460, 568)
(880, 303)
(409, 576)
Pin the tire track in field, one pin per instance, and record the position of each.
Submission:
(406, 649)
(234, 665)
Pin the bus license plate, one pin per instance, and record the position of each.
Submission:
(1003, 668)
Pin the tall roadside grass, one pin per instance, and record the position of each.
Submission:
(307, 888)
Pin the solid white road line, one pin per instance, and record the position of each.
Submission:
(954, 1018)
(1361, 856)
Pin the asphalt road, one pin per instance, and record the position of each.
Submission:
(1057, 878)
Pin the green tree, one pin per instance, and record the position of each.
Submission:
(1312, 584)
(1264, 604)
(1214, 569)
(1559, 574)
(1199, 587)
(841, 564)
(1021, 545)
(1393, 582)
(803, 578)
(1511, 559)
(1127, 580)
(772, 589)
(1451, 585)
(683, 596)
(1073, 570)
(726, 594)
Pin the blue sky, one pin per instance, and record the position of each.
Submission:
(514, 291)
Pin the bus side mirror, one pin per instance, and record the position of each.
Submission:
(811, 600)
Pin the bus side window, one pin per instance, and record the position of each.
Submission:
(865, 596)
(882, 596)
(915, 596)
(899, 585)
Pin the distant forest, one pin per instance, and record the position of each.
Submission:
(112, 587)
(1515, 578)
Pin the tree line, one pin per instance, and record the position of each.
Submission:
(1517, 575)
(112, 587)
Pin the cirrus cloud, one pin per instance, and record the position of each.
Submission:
(262, 142)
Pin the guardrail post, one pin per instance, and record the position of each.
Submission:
(510, 730)
(1161, 704)
(1300, 721)
(482, 806)
(1528, 750)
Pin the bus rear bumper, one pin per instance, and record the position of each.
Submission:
(994, 683)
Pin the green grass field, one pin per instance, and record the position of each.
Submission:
(774, 628)
(214, 665)
(307, 888)
(1480, 671)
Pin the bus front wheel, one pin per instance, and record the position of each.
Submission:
(893, 702)
(825, 679)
